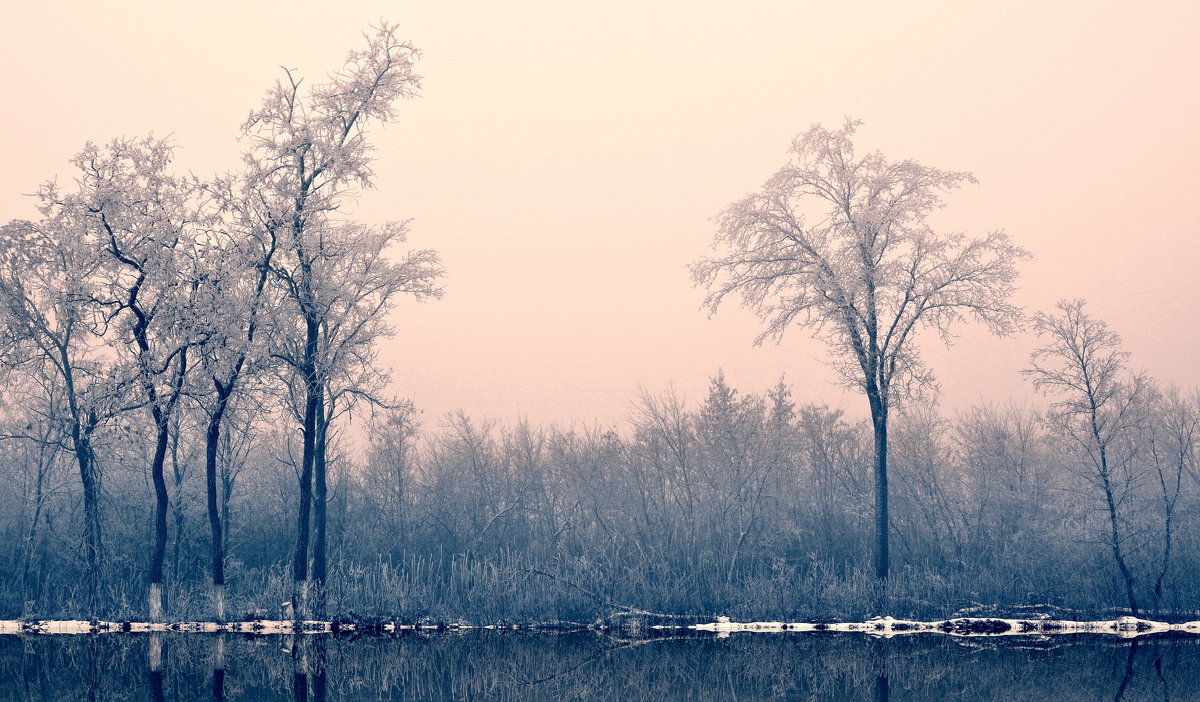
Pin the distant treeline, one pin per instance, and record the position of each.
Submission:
(751, 504)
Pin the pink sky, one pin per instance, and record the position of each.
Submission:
(567, 159)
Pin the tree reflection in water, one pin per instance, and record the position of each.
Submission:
(588, 666)
(154, 666)
(218, 668)
(881, 675)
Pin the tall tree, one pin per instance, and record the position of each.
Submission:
(308, 150)
(140, 215)
(359, 283)
(1098, 409)
(842, 245)
(232, 305)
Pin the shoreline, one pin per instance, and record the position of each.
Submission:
(1124, 627)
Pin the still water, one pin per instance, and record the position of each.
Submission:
(515, 665)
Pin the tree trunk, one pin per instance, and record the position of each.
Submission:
(1114, 523)
(155, 656)
(304, 509)
(882, 688)
(299, 646)
(177, 506)
(92, 542)
(312, 408)
(158, 555)
(1128, 676)
(212, 441)
(161, 412)
(1115, 542)
(879, 421)
(320, 502)
(218, 673)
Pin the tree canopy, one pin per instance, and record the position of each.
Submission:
(842, 245)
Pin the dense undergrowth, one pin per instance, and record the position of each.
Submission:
(507, 589)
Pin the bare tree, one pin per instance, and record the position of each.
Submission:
(1174, 431)
(739, 467)
(666, 471)
(389, 473)
(831, 452)
(30, 420)
(841, 244)
(928, 488)
(1001, 451)
(1099, 406)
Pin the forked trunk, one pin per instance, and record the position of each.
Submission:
(1118, 554)
(1115, 538)
(92, 543)
(312, 407)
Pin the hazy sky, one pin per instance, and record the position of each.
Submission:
(567, 159)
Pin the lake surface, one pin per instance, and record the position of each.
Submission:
(522, 665)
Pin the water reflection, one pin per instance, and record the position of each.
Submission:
(882, 692)
(218, 668)
(154, 666)
(310, 678)
(587, 666)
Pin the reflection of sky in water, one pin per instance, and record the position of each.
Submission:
(589, 666)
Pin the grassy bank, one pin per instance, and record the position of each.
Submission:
(508, 589)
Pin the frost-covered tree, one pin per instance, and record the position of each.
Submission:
(139, 214)
(232, 305)
(1099, 408)
(308, 150)
(31, 434)
(53, 335)
(735, 437)
(1173, 435)
(1009, 482)
(841, 244)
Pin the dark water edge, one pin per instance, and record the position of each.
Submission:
(517, 665)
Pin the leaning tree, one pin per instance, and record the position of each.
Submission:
(842, 245)
(1099, 407)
